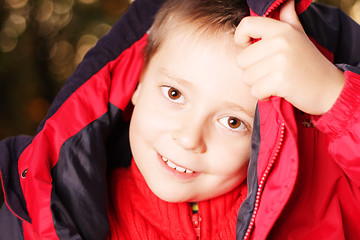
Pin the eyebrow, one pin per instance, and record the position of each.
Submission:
(179, 80)
(247, 111)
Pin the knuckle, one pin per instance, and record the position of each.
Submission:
(283, 41)
(281, 58)
(288, 27)
(254, 92)
(258, 92)
(245, 22)
(279, 79)
(246, 77)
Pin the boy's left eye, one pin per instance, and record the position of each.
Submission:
(172, 94)
(233, 123)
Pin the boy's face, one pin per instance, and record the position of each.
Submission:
(191, 126)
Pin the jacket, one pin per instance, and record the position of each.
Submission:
(135, 212)
(304, 171)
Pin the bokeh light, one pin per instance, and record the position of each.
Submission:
(16, 22)
(8, 39)
(16, 4)
(85, 43)
(48, 39)
(60, 64)
(88, 1)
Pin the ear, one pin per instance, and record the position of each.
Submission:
(136, 93)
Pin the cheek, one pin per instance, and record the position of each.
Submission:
(235, 157)
(146, 123)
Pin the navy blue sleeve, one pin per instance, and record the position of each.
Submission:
(10, 225)
(10, 150)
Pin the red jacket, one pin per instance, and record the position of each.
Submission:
(135, 212)
(303, 176)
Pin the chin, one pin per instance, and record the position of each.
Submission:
(172, 196)
(178, 197)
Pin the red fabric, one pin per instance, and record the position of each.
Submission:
(342, 124)
(125, 72)
(273, 10)
(28, 231)
(86, 104)
(302, 5)
(136, 213)
(312, 191)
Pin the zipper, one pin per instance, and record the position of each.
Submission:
(196, 219)
(273, 6)
(307, 123)
(263, 179)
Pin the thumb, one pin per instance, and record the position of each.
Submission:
(288, 14)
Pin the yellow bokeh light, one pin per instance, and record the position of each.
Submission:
(8, 39)
(85, 43)
(88, 2)
(63, 6)
(16, 4)
(16, 22)
(45, 10)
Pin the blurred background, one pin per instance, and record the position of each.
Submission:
(41, 43)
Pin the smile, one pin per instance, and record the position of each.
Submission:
(174, 166)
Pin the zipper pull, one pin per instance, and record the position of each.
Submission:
(307, 123)
(196, 219)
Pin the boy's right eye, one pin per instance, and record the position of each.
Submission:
(173, 94)
(233, 124)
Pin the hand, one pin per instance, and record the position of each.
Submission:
(285, 63)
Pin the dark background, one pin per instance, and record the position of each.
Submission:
(41, 43)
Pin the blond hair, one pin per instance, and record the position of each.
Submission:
(208, 17)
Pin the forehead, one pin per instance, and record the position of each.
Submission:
(193, 35)
(207, 66)
(193, 49)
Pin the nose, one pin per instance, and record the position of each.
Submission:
(191, 136)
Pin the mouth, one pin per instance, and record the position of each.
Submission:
(176, 167)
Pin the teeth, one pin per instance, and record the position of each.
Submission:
(174, 166)
(170, 164)
(180, 169)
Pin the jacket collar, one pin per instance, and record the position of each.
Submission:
(133, 201)
(270, 8)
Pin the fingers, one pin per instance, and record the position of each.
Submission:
(268, 64)
(254, 28)
(260, 27)
(288, 15)
(264, 79)
(262, 50)
(262, 90)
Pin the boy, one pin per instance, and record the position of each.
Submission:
(189, 135)
(190, 129)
